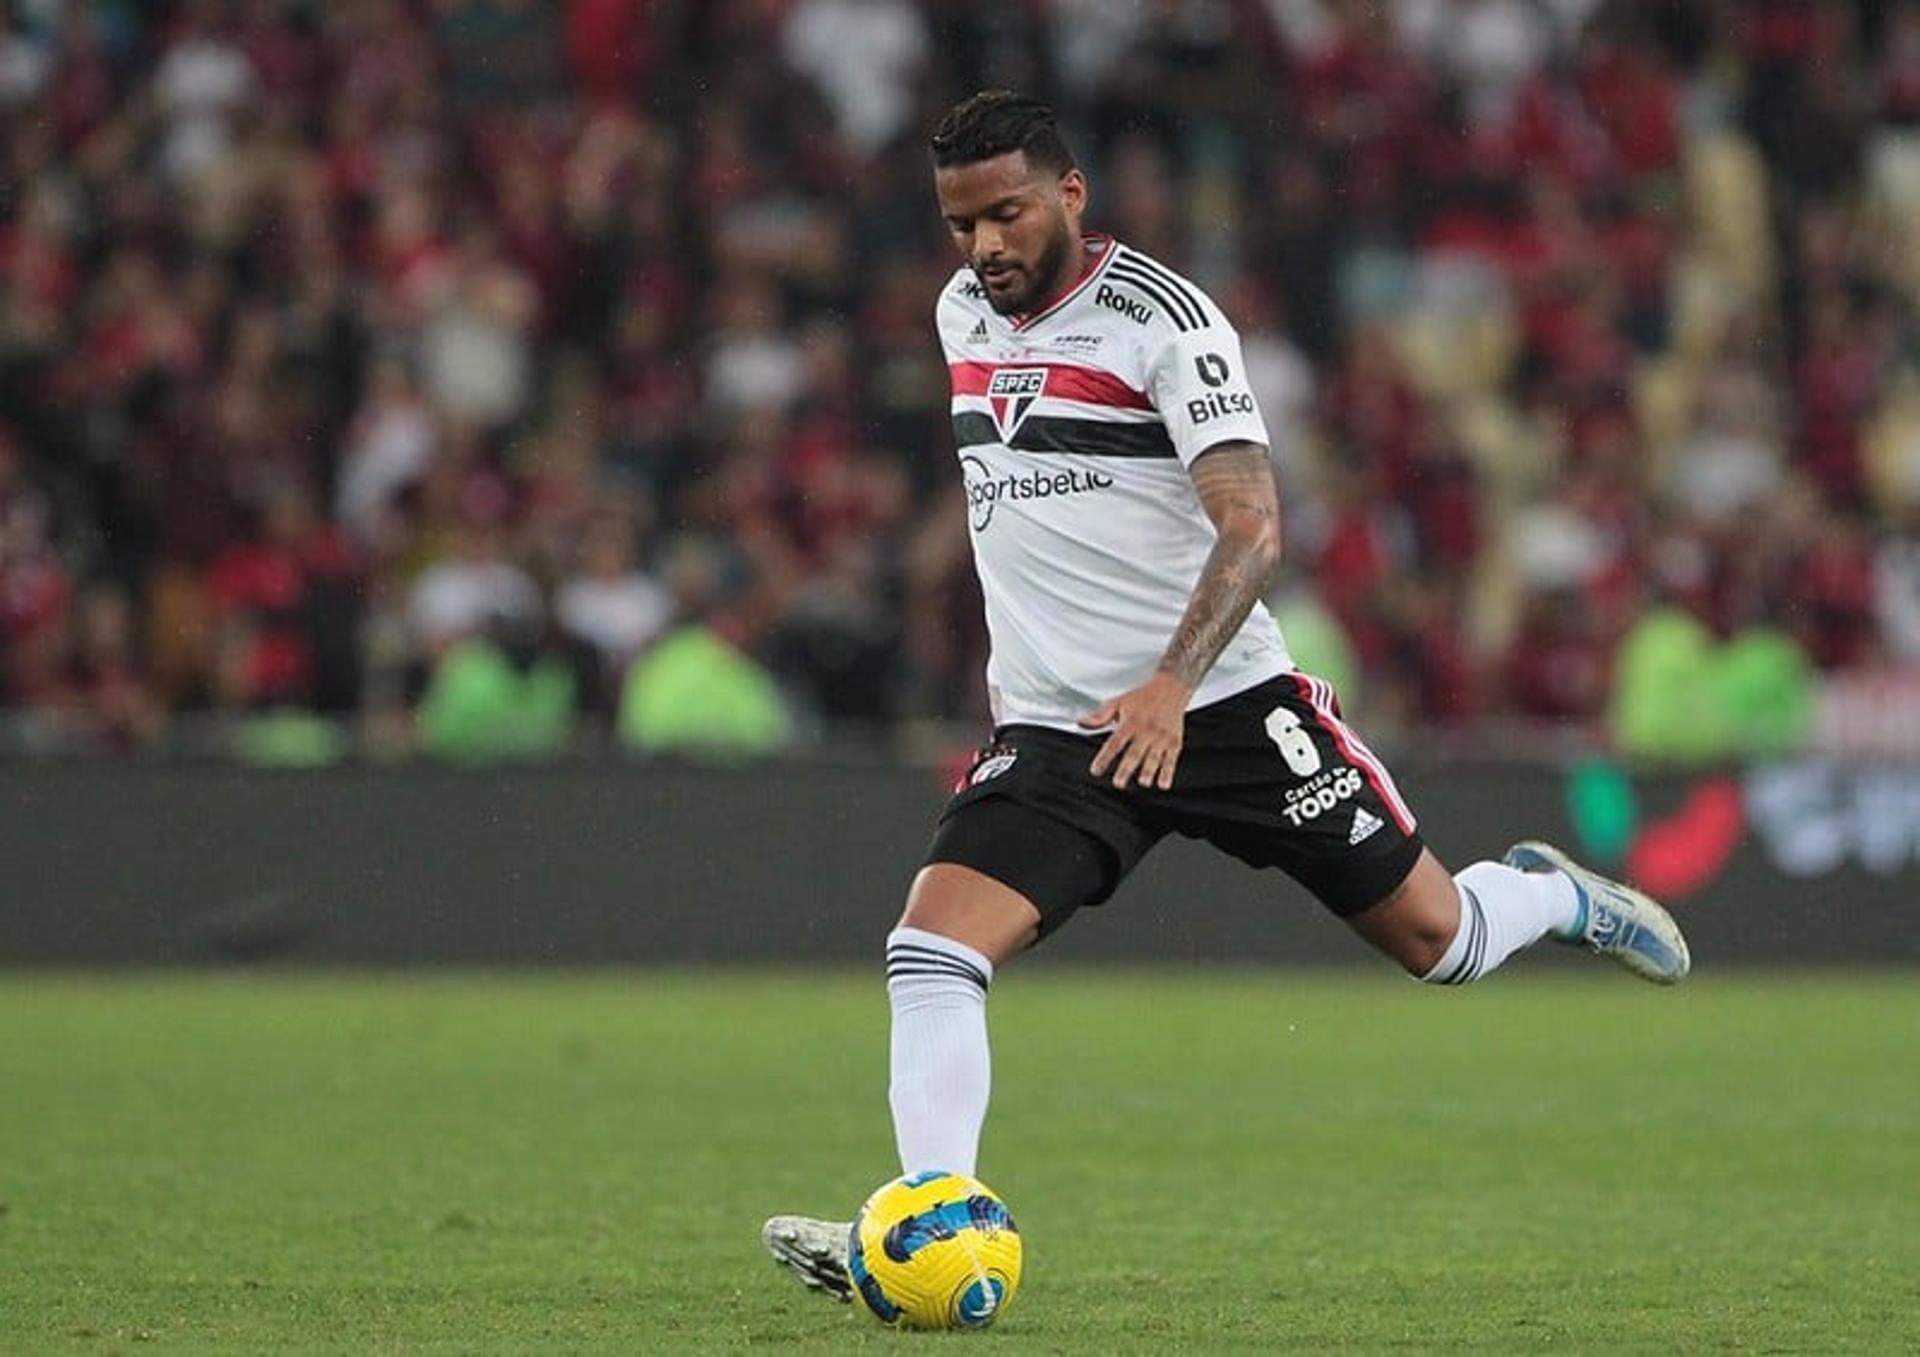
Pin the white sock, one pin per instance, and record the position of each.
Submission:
(941, 1071)
(1502, 910)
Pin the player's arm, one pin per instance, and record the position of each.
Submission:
(1236, 487)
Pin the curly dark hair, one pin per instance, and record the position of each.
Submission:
(995, 122)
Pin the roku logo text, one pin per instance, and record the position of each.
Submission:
(1136, 311)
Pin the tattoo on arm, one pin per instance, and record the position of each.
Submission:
(1236, 487)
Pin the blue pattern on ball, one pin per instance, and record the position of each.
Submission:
(865, 1282)
(981, 1302)
(990, 1214)
(944, 1221)
(928, 1227)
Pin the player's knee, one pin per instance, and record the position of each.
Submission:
(1416, 942)
(1415, 925)
(1422, 942)
(931, 970)
(971, 908)
(1441, 927)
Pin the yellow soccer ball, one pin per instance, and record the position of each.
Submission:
(935, 1251)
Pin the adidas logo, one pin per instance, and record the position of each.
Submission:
(978, 335)
(1365, 825)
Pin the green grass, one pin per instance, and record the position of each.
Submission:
(1199, 1162)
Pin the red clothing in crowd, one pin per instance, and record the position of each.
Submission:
(268, 585)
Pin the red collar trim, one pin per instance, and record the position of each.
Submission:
(1099, 251)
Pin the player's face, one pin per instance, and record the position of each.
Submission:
(1016, 224)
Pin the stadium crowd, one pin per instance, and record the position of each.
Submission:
(377, 358)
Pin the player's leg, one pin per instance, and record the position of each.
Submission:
(1001, 873)
(960, 925)
(1451, 930)
(1346, 833)
(1454, 929)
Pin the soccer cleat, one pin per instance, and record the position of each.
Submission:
(815, 1251)
(1615, 920)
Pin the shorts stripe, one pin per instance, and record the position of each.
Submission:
(1320, 693)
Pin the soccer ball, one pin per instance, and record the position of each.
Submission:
(935, 1251)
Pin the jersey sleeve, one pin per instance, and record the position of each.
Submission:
(1198, 381)
(951, 314)
(943, 307)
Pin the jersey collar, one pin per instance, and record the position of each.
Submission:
(1100, 250)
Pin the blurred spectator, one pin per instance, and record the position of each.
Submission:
(608, 604)
(1557, 666)
(499, 53)
(497, 695)
(336, 337)
(756, 361)
(696, 695)
(26, 63)
(1316, 640)
(1662, 704)
(1281, 377)
(1829, 595)
(1897, 592)
(389, 446)
(203, 79)
(285, 604)
(476, 340)
(1682, 697)
(610, 45)
(865, 56)
(475, 588)
(1735, 455)
(112, 705)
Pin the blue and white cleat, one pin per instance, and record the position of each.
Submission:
(1615, 920)
(814, 1251)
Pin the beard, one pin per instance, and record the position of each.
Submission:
(1035, 284)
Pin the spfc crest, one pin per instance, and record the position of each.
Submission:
(1011, 392)
(992, 766)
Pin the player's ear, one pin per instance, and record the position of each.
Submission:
(1073, 192)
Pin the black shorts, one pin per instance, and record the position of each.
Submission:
(1271, 775)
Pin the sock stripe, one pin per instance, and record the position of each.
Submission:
(907, 951)
(1475, 924)
(1479, 937)
(925, 961)
(1452, 977)
(927, 966)
(1486, 932)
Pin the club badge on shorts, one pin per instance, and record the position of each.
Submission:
(992, 766)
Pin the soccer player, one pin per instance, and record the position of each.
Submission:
(1125, 521)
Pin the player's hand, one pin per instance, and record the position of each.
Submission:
(1149, 726)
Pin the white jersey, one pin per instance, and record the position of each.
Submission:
(1075, 427)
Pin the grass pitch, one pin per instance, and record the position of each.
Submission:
(1199, 1162)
